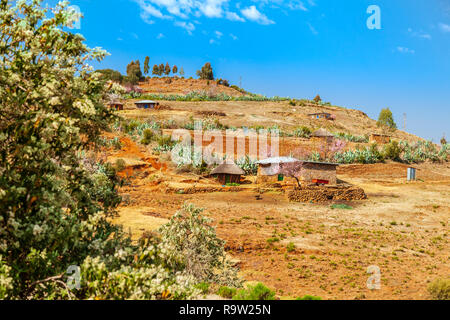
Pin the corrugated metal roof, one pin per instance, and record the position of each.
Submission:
(276, 160)
(145, 101)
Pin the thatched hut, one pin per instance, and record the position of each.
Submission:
(322, 136)
(228, 172)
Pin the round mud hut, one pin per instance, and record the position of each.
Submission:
(322, 136)
(228, 172)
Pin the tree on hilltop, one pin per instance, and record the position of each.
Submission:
(386, 120)
(167, 69)
(206, 72)
(146, 65)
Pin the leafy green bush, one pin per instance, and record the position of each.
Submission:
(203, 287)
(256, 292)
(165, 142)
(303, 132)
(193, 247)
(439, 289)
(148, 136)
(309, 297)
(290, 247)
(226, 292)
(56, 199)
(392, 151)
(341, 206)
(119, 165)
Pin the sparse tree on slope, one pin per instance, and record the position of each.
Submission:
(175, 70)
(167, 69)
(134, 72)
(206, 72)
(155, 70)
(386, 120)
(146, 65)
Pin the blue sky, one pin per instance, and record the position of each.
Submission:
(294, 48)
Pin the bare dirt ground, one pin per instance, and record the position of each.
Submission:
(402, 228)
(175, 85)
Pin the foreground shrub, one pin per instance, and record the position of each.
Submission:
(56, 199)
(226, 292)
(203, 287)
(392, 151)
(148, 136)
(256, 292)
(192, 245)
(308, 297)
(439, 289)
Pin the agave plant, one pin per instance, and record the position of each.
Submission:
(249, 165)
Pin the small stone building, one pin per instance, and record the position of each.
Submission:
(268, 170)
(319, 171)
(379, 138)
(309, 171)
(321, 115)
(228, 172)
(147, 104)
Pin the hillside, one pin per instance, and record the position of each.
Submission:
(181, 86)
(267, 114)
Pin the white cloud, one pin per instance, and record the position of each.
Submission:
(219, 34)
(211, 8)
(311, 27)
(251, 13)
(420, 34)
(148, 11)
(444, 27)
(160, 36)
(191, 9)
(297, 5)
(233, 36)
(405, 50)
(189, 27)
(232, 16)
